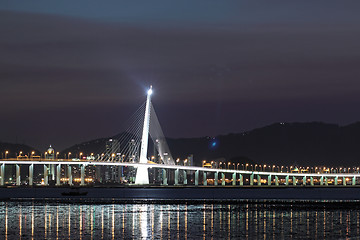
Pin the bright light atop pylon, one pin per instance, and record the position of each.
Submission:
(150, 91)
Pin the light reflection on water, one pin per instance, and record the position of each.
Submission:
(27, 220)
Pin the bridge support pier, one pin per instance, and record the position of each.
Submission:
(82, 175)
(70, 175)
(58, 173)
(31, 174)
(304, 180)
(276, 180)
(336, 181)
(241, 178)
(234, 179)
(287, 180)
(204, 179)
(344, 181)
(176, 177)
(223, 179)
(185, 177)
(196, 177)
(354, 181)
(2, 173)
(216, 177)
(269, 180)
(326, 181)
(294, 181)
(18, 176)
(46, 176)
(321, 181)
(98, 174)
(258, 180)
(52, 171)
(251, 179)
(312, 181)
(164, 177)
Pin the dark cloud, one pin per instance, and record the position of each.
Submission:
(79, 78)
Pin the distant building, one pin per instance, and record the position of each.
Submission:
(112, 148)
(50, 153)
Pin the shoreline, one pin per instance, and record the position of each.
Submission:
(182, 194)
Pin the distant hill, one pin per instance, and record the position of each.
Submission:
(304, 144)
(14, 149)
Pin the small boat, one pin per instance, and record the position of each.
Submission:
(74, 192)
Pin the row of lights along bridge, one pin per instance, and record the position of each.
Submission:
(212, 164)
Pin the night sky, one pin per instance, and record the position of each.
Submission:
(72, 71)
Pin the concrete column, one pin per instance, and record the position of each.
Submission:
(234, 179)
(70, 175)
(58, 174)
(82, 175)
(216, 177)
(223, 179)
(354, 181)
(31, 174)
(46, 176)
(119, 178)
(344, 181)
(276, 180)
(241, 180)
(2, 173)
(251, 179)
(336, 181)
(287, 180)
(98, 173)
(312, 181)
(322, 181)
(294, 181)
(52, 171)
(185, 177)
(304, 180)
(164, 175)
(196, 177)
(258, 180)
(269, 180)
(176, 177)
(326, 181)
(18, 176)
(204, 179)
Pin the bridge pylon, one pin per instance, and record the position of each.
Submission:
(142, 173)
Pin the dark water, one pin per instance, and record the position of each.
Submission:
(28, 220)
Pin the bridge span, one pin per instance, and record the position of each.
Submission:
(180, 175)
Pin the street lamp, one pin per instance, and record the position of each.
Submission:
(57, 155)
(82, 154)
(32, 154)
(6, 153)
(69, 155)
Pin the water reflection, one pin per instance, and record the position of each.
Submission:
(180, 221)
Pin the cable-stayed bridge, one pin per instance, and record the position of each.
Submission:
(130, 150)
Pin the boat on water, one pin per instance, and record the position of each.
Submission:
(74, 192)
